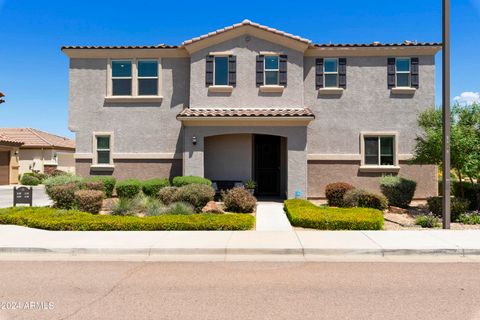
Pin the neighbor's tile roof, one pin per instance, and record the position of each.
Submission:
(8, 140)
(246, 22)
(379, 44)
(158, 46)
(36, 138)
(239, 112)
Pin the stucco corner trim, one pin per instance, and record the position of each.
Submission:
(133, 99)
(222, 89)
(330, 91)
(102, 167)
(366, 168)
(271, 88)
(404, 90)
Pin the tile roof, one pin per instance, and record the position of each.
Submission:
(379, 44)
(158, 46)
(240, 112)
(37, 139)
(8, 140)
(246, 22)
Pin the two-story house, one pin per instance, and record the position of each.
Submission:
(252, 102)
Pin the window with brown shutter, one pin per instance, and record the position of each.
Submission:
(342, 73)
(232, 70)
(283, 70)
(319, 73)
(414, 72)
(259, 70)
(391, 73)
(209, 71)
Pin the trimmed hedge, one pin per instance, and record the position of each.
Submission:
(63, 196)
(303, 213)
(107, 181)
(364, 199)
(168, 195)
(334, 193)
(30, 180)
(239, 200)
(185, 180)
(55, 219)
(128, 188)
(89, 200)
(399, 191)
(458, 206)
(60, 181)
(198, 195)
(151, 187)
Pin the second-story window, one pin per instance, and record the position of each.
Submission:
(221, 71)
(330, 72)
(122, 78)
(402, 72)
(271, 70)
(147, 77)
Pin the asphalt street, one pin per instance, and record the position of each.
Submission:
(238, 290)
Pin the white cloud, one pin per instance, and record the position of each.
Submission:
(467, 98)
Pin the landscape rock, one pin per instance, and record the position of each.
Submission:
(397, 210)
(212, 207)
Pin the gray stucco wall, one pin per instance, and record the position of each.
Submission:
(137, 127)
(365, 105)
(246, 94)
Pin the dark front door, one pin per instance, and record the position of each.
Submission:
(267, 165)
(4, 167)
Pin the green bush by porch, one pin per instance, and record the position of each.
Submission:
(303, 213)
(181, 181)
(72, 220)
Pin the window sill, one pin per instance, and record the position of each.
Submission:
(370, 168)
(327, 91)
(404, 90)
(102, 167)
(271, 88)
(123, 99)
(223, 89)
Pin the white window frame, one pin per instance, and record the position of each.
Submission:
(120, 78)
(265, 70)
(325, 72)
(95, 149)
(214, 66)
(391, 134)
(409, 72)
(140, 78)
(134, 95)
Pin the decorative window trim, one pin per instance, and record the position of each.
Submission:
(409, 72)
(94, 149)
(134, 96)
(330, 72)
(270, 70)
(379, 168)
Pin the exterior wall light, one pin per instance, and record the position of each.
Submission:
(194, 140)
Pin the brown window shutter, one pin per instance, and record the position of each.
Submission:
(209, 71)
(391, 73)
(319, 73)
(232, 70)
(342, 73)
(282, 66)
(414, 72)
(259, 68)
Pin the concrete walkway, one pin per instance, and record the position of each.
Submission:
(459, 243)
(40, 198)
(270, 216)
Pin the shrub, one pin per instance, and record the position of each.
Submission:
(59, 181)
(107, 181)
(180, 208)
(197, 195)
(89, 200)
(63, 196)
(470, 192)
(364, 199)
(469, 218)
(168, 195)
(334, 193)
(154, 207)
(123, 207)
(399, 191)
(303, 213)
(54, 172)
(128, 188)
(55, 219)
(239, 200)
(152, 187)
(186, 180)
(427, 221)
(457, 206)
(29, 180)
(88, 184)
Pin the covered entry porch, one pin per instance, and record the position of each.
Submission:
(270, 150)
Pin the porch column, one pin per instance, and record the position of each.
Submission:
(297, 163)
(193, 153)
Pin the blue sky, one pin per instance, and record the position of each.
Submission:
(34, 73)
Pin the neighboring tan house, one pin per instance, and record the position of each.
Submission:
(252, 102)
(9, 149)
(41, 151)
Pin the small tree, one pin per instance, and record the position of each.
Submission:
(464, 140)
(1, 96)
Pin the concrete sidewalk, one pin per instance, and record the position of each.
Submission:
(21, 240)
(270, 216)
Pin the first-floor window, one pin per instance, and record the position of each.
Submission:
(122, 78)
(379, 150)
(103, 149)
